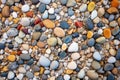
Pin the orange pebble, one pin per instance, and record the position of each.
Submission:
(107, 33)
(29, 14)
(115, 3)
(89, 34)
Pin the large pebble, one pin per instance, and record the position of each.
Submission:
(101, 40)
(25, 21)
(21, 34)
(45, 15)
(51, 11)
(59, 32)
(75, 56)
(108, 66)
(72, 65)
(20, 76)
(52, 41)
(6, 11)
(96, 65)
(64, 25)
(81, 74)
(63, 2)
(71, 3)
(66, 77)
(93, 14)
(22, 70)
(89, 24)
(111, 60)
(48, 23)
(2, 46)
(92, 74)
(91, 42)
(83, 7)
(97, 56)
(54, 65)
(44, 61)
(91, 6)
(25, 46)
(101, 12)
(36, 35)
(30, 75)
(45, 1)
(25, 56)
(25, 8)
(11, 75)
(73, 47)
(12, 32)
(42, 8)
(18, 40)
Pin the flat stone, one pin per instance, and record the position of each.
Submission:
(25, 8)
(81, 74)
(118, 54)
(54, 65)
(44, 61)
(63, 2)
(64, 25)
(94, 14)
(96, 65)
(42, 8)
(6, 11)
(36, 35)
(101, 40)
(51, 11)
(111, 59)
(72, 65)
(73, 47)
(22, 70)
(11, 75)
(83, 8)
(45, 15)
(59, 32)
(35, 1)
(71, 3)
(89, 24)
(18, 40)
(91, 42)
(108, 67)
(21, 34)
(101, 12)
(2, 46)
(25, 46)
(20, 76)
(29, 75)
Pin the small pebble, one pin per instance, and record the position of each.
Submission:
(97, 56)
(25, 8)
(44, 61)
(72, 65)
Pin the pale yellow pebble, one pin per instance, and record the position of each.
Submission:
(41, 70)
(5, 68)
(36, 73)
(11, 58)
(64, 46)
(91, 6)
(15, 21)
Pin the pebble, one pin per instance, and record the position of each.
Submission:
(25, 21)
(14, 14)
(63, 2)
(42, 8)
(45, 15)
(67, 39)
(83, 8)
(12, 32)
(118, 54)
(51, 11)
(97, 56)
(73, 47)
(6, 11)
(52, 41)
(101, 40)
(110, 77)
(11, 58)
(36, 35)
(45, 1)
(64, 25)
(29, 75)
(108, 66)
(115, 30)
(35, 68)
(41, 44)
(44, 61)
(22, 70)
(89, 24)
(48, 23)
(111, 59)
(112, 52)
(70, 12)
(11, 75)
(91, 6)
(18, 40)
(113, 24)
(52, 17)
(107, 33)
(25, 46)
(35, 1)
(75, 56)
(66, 77)
(59, 32)
(2, 46)
(13, 66)
(25, 8)
(96, 20)
(101, 12)
(25, 56)
(71, 3)
(89, 34)
(72, 65)
(81, 74)
(20, 76)
(62, 54)
(92, 74)
(96, 65)
(54, 65)
(94, 14)
(3, 1)
(21, 34)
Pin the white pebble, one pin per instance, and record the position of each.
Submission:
(116, 42)
(73, 47)
(75, 56)
(111, 60)
(10, 75)
(81, 74)
(97, 56)
(66, 77)
(18, 40)
(20, 76)
(93, 14)
(83, 7)
(100, 31)
(72, 65)
(14, 14)
(25, 8)
(51, 11)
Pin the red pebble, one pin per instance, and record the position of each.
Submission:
(19, 26)
(19, 52)
(25, 30)
(41, 24)
(79, 24)
(37, 21)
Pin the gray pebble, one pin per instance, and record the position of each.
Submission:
(29, 75)
(108, 67)
(12, 32)
(25, 56)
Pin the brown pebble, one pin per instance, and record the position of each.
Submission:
(6, 11)
(112, 10)
(41, 44)
(115, 71)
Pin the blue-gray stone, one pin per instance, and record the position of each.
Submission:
(29, 75)
(91, 42)
(98, 47)
(25, 56)
(35, 1)
(83, 47)
(100, 24)
(75, 35)
(42, 8)
(44, 61)
(44, 77)
(10, 46)
(110, 77)
(62, 54)
(115, 30)
(2, 46)
(70, 12)
(52, 17)
(54, 65)
(59, 78)
(118, 54)
(67, 39)
(63, 2)
(13, 66)
(4, 74)
(108, 67)
(30, 62)
(20, 61)
(64, 25)
(111, 18)
(89, 24)
(35, 68)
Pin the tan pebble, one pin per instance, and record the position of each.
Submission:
(11, 58)
(36, 73)
(48, 23)
(96, 20)
(112, 52)
(25, 46)
(92, 74)
(115, 71)
(10, 18)
(59, 32)
(101, 12)
(52, 78)
(64, 46)
(68, 71)
(104, 20)
(41, 70)
(112, 10)
(15, 8)
(41, 44)
(118, 21)
(6, 11)
(5, 68)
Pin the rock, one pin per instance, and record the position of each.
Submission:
(21, 34)
(89, 24)
(63, 2)
(111, 59)
(101, 40)
(13, 66)
(112, 52)
(11, 75)
(79, 24)
(59, 78)
(52, 41)
(113, 24)
(67, 39)
(20, 76)
(6, 11)
(22, 70)
(118, 54)
(35, 1)
(25, 8)
(66, 77)
(70, 12)
(43, 37)
(94, 14)
(3, 1)
(44, 61)
(101, 12)
(81, 74)
(10, 2)
(30, 75)
(108, 67)
(59, 32)
(83, 8)
(72, 65)
(96, 65)
(51, 11)
(96, 20)
(42, 8)
(91, 6)
(92, 74)
(112, 10)
(64, 25)
(25, 21)
(97, 56)
(25, 46)
(12, 32)
(73, 47)
(41, 44)
(115, 30)
(110, 77)
(107, 33)
(118, 21)
(25, 56)
(35, 68)
(11, 58)
(115, 3)
(54, 65)
(48, 23)
(14, 14)
(89, 34)
(36, 35)
(75, 56)
(45, 15)
(62, 54)
(45, 1)
(18, 40)
(71, 3)
(52, 17)
(91, 42)
(2, 46)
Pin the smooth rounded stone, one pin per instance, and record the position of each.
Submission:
(21, 34)
(25, 56)
(44, 77)
(101, 12)
(44, 61)
(108, 66)
(83, 8)
(62, 54)
(42, 8)
(66, 77)
(54, 65)
(71, 3)
(81, 74)
(100, 31)
(96, 65)
(73, 47)
(35, 1)
(98, 47)
(25, 21)
(13, 66)
(59, 32)
(30, 62)
(37, 27)
(113, 24)
(3, 1)
(43, 37)
(91, 42)
(100, 24)
(45, 15)
(75, 56)
(6, 11)
(12, 32)
(18, 40)
(64, 25)
(45, 1)
(51, 11)
(10, 2)
(36, 35)
(116, 42)
(48, 23)
(20, 76)
(11, 75)
(89, 24)
(118, 54)
(97, 56)
(112, 51)
(101, 40)
(30, 75)
(35, 68)
(25, 46)
(115, 30)
(94, 14)
(111, 59)
(63, 2)
(67, 39)
(52, 17)
(92, 74)
(10, 46)
(52, 41)
(25, 8)
(14, 14)
(2, 46)
(70, 12)
(96, 20)
(72, 65)
(111, 17)
(59, 78)
(22, 70)
(111, 77)
(4, 74)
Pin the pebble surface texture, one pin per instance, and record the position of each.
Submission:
(59, 39)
